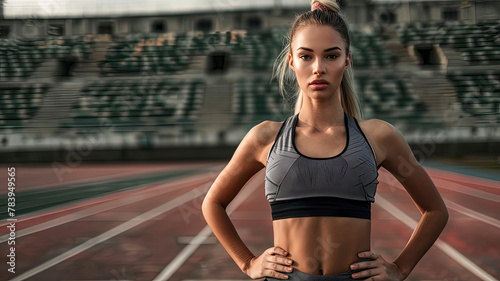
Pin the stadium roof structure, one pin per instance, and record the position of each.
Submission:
(98, 8)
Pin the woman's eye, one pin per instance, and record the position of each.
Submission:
(331, 56)
(305, 57)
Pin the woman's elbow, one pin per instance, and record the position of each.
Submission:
(208, 205)
(445, 215)
(438, 216)
(205, 206)
(442, 216)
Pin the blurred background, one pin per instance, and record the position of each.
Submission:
(112, 96)
(137, 80)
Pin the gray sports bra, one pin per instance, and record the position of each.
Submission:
(343, 185)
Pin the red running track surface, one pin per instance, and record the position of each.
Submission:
(143, 233)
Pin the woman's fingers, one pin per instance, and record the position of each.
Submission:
(377, 268)
(369, 254)
(277, 250)
(279, 259)
(277, 255)
(368, 273)
(273, 262)
(276, 275)
(277, 263)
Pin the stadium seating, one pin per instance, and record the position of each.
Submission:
(130, 105)
(155, 53)
(21, 58)
(263, 46)
(478, 44)
(387, 97)
(478, 93)
(368, 50)
(257, 99)
(20, 103)
(142, 53)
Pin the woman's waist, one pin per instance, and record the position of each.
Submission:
(323, 245)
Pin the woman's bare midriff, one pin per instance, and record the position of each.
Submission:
(322, 245)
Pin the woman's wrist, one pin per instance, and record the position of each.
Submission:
(246, 265)
(402, 270)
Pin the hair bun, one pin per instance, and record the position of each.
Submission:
(325, 5)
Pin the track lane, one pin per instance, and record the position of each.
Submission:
(48, 244)
(40, 221)
(389, 236)
(141, 252)
(471, 237)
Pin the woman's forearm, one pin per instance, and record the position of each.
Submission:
(425, 234)
(224, 230)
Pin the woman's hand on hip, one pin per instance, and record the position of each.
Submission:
(376, 269)
(272, 263)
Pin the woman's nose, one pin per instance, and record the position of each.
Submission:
(318, 67)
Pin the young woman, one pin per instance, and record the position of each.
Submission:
(321, 171)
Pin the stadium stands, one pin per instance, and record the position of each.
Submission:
(478, 93)
(20, 103)
(20, 58)
(141, 53)
(255, 100)
(368, 50)
(388, 97)
(155, 91)
(158, 53)
(478, 44)
(130, 105)
(263, 47)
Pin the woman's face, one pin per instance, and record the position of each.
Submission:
(319, 60)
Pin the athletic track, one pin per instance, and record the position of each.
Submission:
(154, 230)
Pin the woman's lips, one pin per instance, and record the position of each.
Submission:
(318, 85)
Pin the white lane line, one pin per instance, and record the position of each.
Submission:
(446, 184)
(112, 177)
(177, 262)
(465, 178)
(107, 205)
(472, 214)
(99, 200)
(443, 246)
(466, 211)
(174, 203)
(453, 186)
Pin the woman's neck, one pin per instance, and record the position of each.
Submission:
(321, 114)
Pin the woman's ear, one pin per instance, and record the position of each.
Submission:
(347, 61)
(290, 62)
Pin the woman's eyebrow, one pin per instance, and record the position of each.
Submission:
(326, 50)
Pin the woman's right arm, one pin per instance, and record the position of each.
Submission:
(247, 160)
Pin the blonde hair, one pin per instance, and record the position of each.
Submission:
(329, 15)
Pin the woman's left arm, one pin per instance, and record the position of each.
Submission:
(398, 159)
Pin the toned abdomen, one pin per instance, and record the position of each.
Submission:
(322, 245)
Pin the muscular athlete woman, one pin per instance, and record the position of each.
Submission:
(321, 172)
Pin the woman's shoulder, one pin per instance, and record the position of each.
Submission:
(384, 138)
(378, 130)
(376, 125)
(264, 133)
(259, 138)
